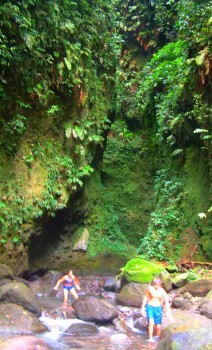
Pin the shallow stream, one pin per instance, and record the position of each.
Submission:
(58, 321)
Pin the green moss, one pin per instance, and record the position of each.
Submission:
(141, 271)
(128, 189)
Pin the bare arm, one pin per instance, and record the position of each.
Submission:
(145, 300)
(167, 306)
(61, 280)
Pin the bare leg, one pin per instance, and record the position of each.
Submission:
(150, 328)
(74, 293)
(65, 298)
(158, 330)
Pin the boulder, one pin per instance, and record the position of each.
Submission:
(82, 329)
(5, 272)
(172, 268)
(110, 284)
(24, 342)
(4, 281)
(141, 271)
(44, 285)
(132, 294)
(181, 303)
(141, 323)
(166, 280)
(14, 319)
(82, 243)
(194, 339)
(198, 288)
(206, 309)
(180, 280)
(95, 309)
(184, 321)
(20, 294)
(121, 339)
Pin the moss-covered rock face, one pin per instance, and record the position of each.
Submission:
(141, 271)
(127, 177)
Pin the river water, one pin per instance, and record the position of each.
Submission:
(58, 321)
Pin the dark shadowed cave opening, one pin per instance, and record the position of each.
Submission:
(48, 237)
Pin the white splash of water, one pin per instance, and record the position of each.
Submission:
(58, 325)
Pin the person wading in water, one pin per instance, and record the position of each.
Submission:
(152, 305)
(70, 284)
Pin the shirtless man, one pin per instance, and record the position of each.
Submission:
(153, 302)
(70, 284)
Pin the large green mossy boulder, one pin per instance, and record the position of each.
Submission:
(141, 271)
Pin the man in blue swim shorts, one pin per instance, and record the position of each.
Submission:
(152, 305)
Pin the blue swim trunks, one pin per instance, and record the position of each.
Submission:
(155, 313)
(68, 287)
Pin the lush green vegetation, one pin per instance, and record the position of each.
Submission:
(115, 90)
(170, 90)
(56, 85)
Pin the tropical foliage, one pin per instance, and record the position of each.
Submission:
(75, 71)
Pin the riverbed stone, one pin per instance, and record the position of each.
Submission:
(82, 329)
(110, 284)
(44, 285)
(166, 280)
(20, 294)
(82, 243)
(5, 272)
(180, 280)
(184, 320)
(132, 294)
(120, 338)
(194, 339)
(95, 309)
(24, 342)
(14, 319)
(181, 303)
(198, 288)
(206, 309)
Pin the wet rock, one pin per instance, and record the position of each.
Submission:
(120, 325)
(110, 284)
(180, 280)
(166, 280)
(109, 295)
(94, 309)
(184, 321)
(82, 329)
(24, 343)
(206, 309)
(5, 272)
(181, 303)
(21, 280)
(120, 338)
(44, 285)
(123, 309)
(132, 294)
(82, 244)
(141, 323)
(198, 288)
(4, 281)
(187, 295)
(172, 268)
(15, 319)
(194, 339)
(20, 294)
